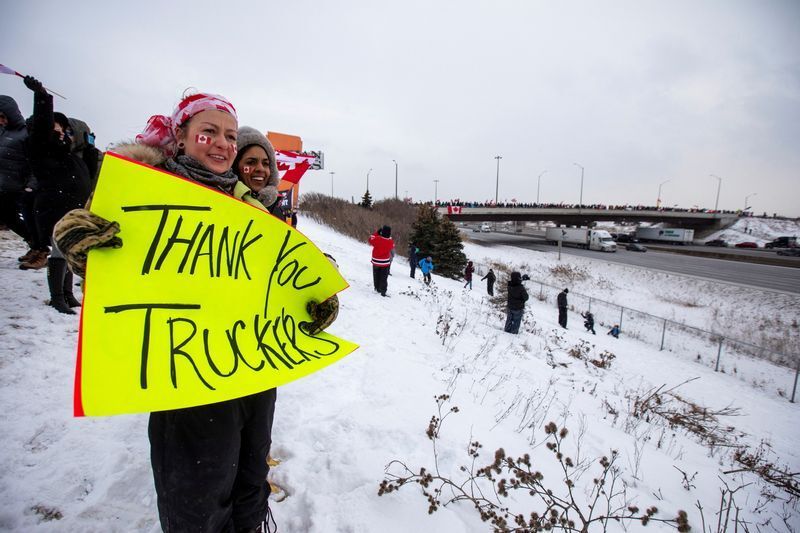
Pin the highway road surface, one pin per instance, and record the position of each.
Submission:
(779, 278)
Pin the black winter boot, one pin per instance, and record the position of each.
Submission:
(69, 298)
(56, 270)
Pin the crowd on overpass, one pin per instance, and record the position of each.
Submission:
(626, 207)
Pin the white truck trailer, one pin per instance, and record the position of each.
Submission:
(591, 239)
(673, 235)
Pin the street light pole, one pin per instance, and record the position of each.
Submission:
(497, 182)
(719, 186)
(331, 173)
(580, 202)
(435, 191)
(395, 179)
(538, 186)
(658, 200)
(747, 198)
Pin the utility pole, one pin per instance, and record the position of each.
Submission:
(395, 179)
(719, 186)
(435, 191)
(497, 182)
(580, 202)
(539, 185)
(331, 173)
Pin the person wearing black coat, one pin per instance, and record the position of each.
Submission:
(63, 186)
(14, 169)
(490, 279)
(412, 258)
(562, 308)
(517, 296)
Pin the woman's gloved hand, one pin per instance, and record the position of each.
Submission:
(322, 313)
(78, 232)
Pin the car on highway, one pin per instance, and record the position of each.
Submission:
(791, 252)
(746, 244)
(635, 247)
(717, 242)
(625, 237)
(486, 227)
(782, 242)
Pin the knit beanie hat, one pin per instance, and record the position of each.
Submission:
(385, 231)
(62, 119)
(248, 137)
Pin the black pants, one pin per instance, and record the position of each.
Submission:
(562, 316)
(10, 213)
(380, 277)
(210, 464)
(413, 265)
(490, 288)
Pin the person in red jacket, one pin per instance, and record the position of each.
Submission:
(382, 246)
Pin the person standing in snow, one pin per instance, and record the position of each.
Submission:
(468, 275)
(490, 279)
(382, 247)
(426, 265)
(588, 321)
(63, 186)
(562, 308)
(412, 258)
(517, 296)
(209, 462)
(14, 170)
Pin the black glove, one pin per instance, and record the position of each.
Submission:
(33, 84)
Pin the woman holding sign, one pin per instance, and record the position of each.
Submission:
(209, 462)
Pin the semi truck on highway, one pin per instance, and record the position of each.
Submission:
(591, 239)
(673, 235)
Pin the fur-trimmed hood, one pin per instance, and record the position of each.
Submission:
(142, 153)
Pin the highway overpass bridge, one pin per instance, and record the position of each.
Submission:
(586, 216)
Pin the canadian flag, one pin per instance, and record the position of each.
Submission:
(293, 164)
(453, 209)
(202, 139)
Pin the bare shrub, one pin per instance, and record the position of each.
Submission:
(556, 505)
(358, 222)
(569, 273)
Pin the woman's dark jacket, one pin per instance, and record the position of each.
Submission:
(517, 295)
(62, 177)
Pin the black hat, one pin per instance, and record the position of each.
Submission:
(566, 290)
(385, 231)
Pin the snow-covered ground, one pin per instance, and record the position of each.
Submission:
(337, 430)
(757, 230)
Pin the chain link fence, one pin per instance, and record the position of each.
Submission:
(668, 334)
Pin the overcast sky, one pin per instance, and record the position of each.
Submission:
(637, 92)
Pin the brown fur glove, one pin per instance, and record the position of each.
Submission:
(323, 314)
(78, 232)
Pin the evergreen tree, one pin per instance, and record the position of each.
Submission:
(439, 238)
(366, 200)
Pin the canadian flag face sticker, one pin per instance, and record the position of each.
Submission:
(247, 170)
(202, 139)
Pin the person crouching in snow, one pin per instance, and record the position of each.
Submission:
(517, 296)
(382, 247)
(588, 321)
(614, 332)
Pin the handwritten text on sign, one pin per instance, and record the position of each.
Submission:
(204, 302)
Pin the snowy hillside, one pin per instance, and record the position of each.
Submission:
(758, 230)
(337, 430)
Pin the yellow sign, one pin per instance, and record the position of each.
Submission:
(204, 302)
